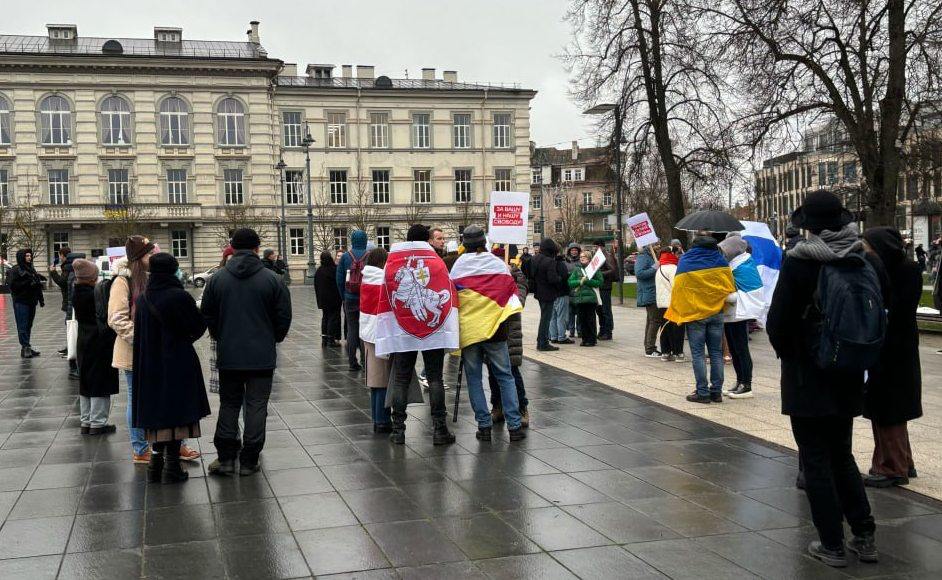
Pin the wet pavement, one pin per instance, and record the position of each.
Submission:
(608, 485)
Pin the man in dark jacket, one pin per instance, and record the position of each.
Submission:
(604, 310)
(351, 299)
(546, 280)
(822, 403)
(328, 299)
(61, 279)
(26, 286)
(248, 311)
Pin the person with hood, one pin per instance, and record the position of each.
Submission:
(349, 273)
(26, 286)
(61, 279)
(822, 403)
(585, 300)
(169, 394)
(515, 348)
(646, 297)
(546, 280)
(248, 312)
(98, 380)
(329, 300)
(792, 237)
(745, 305)
(893, 394)
(378, 369)
(672, 335)
(604, 309)
(702, 283)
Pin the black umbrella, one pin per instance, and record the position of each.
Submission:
(711, 221)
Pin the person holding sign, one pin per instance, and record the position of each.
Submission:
(604, 309)
(585, 298)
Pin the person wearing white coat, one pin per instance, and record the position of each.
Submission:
(672, 334)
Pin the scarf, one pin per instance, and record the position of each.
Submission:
(829, 246)
(667, 258)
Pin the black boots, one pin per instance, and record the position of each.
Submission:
(155, 467)
(440, 434)
(483, 434)
(27, 352)
(173, 472)
(398, 435)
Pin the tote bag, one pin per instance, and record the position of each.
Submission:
(71, 335)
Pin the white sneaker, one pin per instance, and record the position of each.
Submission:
(654, 354)
(680, 358)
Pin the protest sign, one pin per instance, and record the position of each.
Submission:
(115, 253)
(595, 263)
(508, 216)
(642, 229)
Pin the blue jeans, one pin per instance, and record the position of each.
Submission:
(138, 441)
(499, 357)
(707, 334)
(24, 315)
(378, 407)
(560, 321)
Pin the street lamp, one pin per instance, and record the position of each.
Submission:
(616, 145)
(281, 228)
(306, 146)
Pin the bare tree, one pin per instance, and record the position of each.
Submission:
(234, 217)
(327, 215)
(26, 228)
(872, 65)
(365, 212)
(467, 213)
(127, 217)
(413, 213)
(569, 214)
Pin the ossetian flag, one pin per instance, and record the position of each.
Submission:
(767, 255)
(418, 303)
(488, 295)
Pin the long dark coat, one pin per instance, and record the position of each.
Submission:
(894, 389)
(168, 381)
(325, 285)
(97, 378)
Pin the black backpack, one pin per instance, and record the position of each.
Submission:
(847, 318)
(102, 297)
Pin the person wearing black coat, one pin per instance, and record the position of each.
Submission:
(547, 280)
(26, 286)
(604, 309)
(894, 389)
(98, 380)
(821, 403)
(168, 394)
(329, 300)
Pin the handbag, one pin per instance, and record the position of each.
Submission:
(71, 336)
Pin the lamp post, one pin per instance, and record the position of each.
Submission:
(282, 240)
(306, 145)
(616, 145)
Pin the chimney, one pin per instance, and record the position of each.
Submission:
(290, 69)
(428, 74)
(450, 76)
(346, 71)
(253, 33)
(575, 150)
(364, 71)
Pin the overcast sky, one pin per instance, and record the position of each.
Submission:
(501, 41)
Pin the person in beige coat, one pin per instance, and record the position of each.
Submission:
(377, 369)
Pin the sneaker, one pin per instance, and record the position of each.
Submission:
(547, 348)
(652, 354)
(141, 457)
(566, 341)
(680, 358)
(716, 397)
(605, 337)
(865, 548)
(835, 557)
(188, 454)
(667, 358)
(695, 398)
(885, 480)
(221, 467)
(246, 469)
(741, 392)
(84, 429)
(103, 430)
(64, 352)
(423, 382)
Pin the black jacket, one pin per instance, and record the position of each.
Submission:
(515, 323)
(26, 284)
(807, 390)
(325, 284)
(168, 381)
(547, 276)
(97, 378)
(248, 310)
(276, 266)
(609, 272)
(894, 389)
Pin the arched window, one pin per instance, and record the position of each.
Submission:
(174, 122)
(230, 120)
(4, 121)
(56, 121)
(115, 121)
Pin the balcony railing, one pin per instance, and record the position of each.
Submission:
(597, 208)
(153, 212)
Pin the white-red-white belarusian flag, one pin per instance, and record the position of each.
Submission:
(418, 303)
(371, 291)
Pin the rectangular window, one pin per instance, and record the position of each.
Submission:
(832, 172)
(59, 240)
(336, 130)
(179, 244)
(850, 171)
(422, 186)
(588, 226)
(294, 187)
(4, 123)
(296, 241)
(462, 131)
(503, 180)
(558, 226)
(59, 186)
(291, 127)
(608, 224)
(382, 237)
(587, 200)
(421, 131)
(822, 174)
(176, 185)
(118, 186)
(4, 188)
(338, 186)
(232, 187)
(379, 130)
(502, 130)
(537, 201)
(381, 186)
(116, 127)
(538, 228)
(558, 200)
(463, 191)
(607, 198)
(912, 186)
(340, 238)
(536, 175)
(56, 127)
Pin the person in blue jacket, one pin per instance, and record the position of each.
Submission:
(351, 295)
(645, 268)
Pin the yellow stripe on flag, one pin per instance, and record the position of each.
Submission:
(699, 294)
(479, 316)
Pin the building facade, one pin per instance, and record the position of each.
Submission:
(185, 141)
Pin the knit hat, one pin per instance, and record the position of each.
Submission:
(417, 233)
(86, 272)
(473, 238)
(245, 239)
(163, 263)
(137, 247)
(733, 245)
(821, 210)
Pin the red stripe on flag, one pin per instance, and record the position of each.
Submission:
(370, 298)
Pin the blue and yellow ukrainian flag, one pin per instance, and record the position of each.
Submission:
(701, 285)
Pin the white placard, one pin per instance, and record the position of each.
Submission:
(595, 263)
(508, 215)
(642, 229)
(115, 253)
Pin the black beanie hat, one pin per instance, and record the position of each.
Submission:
(473, 237)
(245, 239)
(163, 263)
(417, 233)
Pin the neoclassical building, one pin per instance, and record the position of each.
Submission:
(184, 140)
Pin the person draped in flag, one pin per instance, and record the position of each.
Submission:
(377, 369)
(744, 305)
(417, 313)
(487, 299)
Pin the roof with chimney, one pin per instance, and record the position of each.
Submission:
(88, 45)
(540, 156)
(393, 83)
